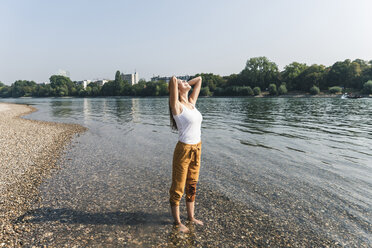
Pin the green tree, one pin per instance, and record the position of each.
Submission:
(272, 89)
(367, 87)
(219, 91)
(5, 91)
(345, 73)
(314, 90)
(259, 71)
(312, 75)
(23, 88)
(364, 67)
(151, 89)
(1, 87)
(362, 64)
(248, 91)
(61, 85)
(118, 76)
(126, 89)
(88, 90)
(290, 74)
(163, 89)
(211, 80)
(282, 89)
(233, 79)
(367, 74)
(335, 89)
(257, 91)
(108, 89)
(118, 85)
(204, 91)
(94, 89)
(138, 88)
(42, 90)
(239, 91)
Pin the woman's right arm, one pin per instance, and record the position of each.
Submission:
(173, 92)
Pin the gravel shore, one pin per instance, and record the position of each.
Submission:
(29, 149)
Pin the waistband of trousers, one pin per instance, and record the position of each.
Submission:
(190, 145)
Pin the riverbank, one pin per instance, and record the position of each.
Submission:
(29, 149)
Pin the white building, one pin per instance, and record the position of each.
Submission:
(101, 82)
(166, 79)
(84, 83)
(131, 78)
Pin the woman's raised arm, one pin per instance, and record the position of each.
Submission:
(173, 92)
(196, 90)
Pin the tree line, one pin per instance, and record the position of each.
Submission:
(259, 74)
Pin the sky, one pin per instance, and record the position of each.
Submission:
(93, 39)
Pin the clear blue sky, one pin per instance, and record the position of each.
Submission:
(93, 39)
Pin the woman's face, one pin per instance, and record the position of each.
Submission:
(183, 85)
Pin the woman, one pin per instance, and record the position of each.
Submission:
(186, 157)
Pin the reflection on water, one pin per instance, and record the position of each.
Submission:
(307, 160)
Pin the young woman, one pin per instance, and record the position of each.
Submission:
(185, 118)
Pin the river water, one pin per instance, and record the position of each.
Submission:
(305, 160)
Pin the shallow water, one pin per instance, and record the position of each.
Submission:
(305, 160)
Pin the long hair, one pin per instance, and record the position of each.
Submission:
(173, 123)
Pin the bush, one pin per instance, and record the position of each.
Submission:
(282, 89)
(367, 87)
(247, 91)
(272, 89)
(256, 91)
(335, 89)
(238, 91)
(314, 90)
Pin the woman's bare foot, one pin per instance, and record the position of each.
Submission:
(198, 222)
(181, 228)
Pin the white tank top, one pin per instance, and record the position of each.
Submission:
(189, 125)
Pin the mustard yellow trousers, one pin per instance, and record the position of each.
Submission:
(185, 172)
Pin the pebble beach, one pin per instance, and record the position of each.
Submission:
(29, 150)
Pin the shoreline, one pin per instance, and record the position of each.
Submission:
(29, 151)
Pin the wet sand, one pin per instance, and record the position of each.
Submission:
(29, 149)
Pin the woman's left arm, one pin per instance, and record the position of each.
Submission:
(196, 89)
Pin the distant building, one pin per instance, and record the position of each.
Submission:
(84, 83)
(166, 79)
(101, 82)
(158, 78)
(131, 78)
